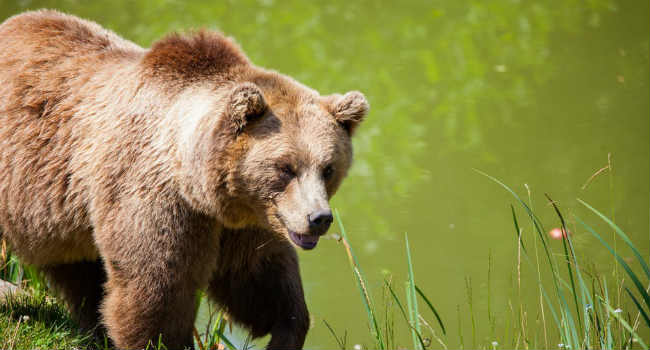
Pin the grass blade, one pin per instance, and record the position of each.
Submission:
(218, 330)
(226, 341)
(536, 221)
(433, 309)
(411, 296)
(541, 285)
(621, 234)
(401, 309)
(625, 325)
(518, 230)
(566, 240)
(638, 306)
(338, 341)
(620, 260)
(361, 284)
(399, 304)
(610, 338)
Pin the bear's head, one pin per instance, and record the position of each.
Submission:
(297, 152)
(269, 153)
(256, 148)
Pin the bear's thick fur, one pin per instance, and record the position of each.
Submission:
(134, 177)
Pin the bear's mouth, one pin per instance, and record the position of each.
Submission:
(306, 242)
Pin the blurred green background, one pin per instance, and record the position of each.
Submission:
(531, 92)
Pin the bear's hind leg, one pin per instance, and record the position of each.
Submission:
(80, 285)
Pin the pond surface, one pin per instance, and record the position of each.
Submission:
(533, 93)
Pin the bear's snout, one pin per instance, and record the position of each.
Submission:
(320, 221)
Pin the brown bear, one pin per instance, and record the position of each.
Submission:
(135, 177)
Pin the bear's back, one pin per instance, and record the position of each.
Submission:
(53, 32)
(47, 56)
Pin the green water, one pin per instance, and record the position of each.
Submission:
(531, 92)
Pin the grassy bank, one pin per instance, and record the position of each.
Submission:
(31, 318)
(36, 321)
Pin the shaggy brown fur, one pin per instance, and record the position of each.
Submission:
(156, 173)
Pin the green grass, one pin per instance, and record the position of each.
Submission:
(590, 325)
(36, 321)
(32, 319)
(411, 315)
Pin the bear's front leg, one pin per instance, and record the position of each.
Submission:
(260, 287)
(141, 310)
(157, 255)
(292, 317)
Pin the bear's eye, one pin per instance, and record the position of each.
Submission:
(328, 172)
(287, 170)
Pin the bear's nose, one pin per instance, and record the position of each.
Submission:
(320, 221)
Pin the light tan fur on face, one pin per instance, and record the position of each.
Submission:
(307, 139)
(155, 171)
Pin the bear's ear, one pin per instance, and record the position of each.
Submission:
(245, 104)
(349, 109)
